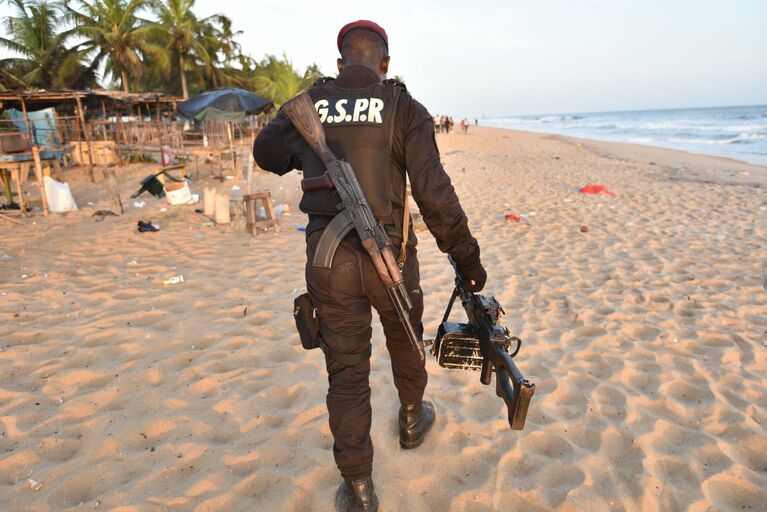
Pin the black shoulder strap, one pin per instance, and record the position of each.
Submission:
(323, 80)
(395, 82)
(392, 120)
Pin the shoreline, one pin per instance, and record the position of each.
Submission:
(683, 165)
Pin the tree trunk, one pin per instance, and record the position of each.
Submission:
(124, 78)
(184, 90)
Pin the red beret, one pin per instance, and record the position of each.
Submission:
(366, 24)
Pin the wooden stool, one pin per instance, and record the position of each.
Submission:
(250, 206)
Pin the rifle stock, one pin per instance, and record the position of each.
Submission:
(301, 112)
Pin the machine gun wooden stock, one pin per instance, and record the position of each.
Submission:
(355, 213)
(483, 344)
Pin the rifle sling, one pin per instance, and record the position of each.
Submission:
(405, 231)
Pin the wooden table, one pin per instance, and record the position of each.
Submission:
(18, 164)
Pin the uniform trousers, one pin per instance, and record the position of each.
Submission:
(343, 296)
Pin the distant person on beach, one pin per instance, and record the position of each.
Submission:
(437, 124)
(387, 136)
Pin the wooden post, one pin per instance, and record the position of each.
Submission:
(40, 179)
(104, 112)
(80, 142)
(121, 130)
(250, 213)
(209, 201)
(81, 115)
(17, 171)
(249, 174)
(231, 148)
(141, 132)
(110, 182)
(222, 208)
(160, 128)
(32, 134)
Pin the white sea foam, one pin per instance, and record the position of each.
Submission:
(736, 132)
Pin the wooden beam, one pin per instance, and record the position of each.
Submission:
(32, 135)
(81, 115)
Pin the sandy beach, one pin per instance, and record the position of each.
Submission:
(646, 336)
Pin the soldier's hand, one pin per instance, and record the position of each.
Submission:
(472, 272)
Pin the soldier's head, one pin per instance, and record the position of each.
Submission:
(364, 43)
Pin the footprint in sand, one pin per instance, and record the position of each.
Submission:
(729, 492)
(590, 331)
(714, 339)
(685, 392)
(59, 450)
(752, 453)
(642, 376)
(608, 401)
(547, 444)
(660, 303)
(641, 332)
(223, 430)
(243, 465)
(260, 318)
(557, 480)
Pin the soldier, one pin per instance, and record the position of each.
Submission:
(387, 136)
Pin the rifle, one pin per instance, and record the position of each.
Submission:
(483, 344)
(355, 213)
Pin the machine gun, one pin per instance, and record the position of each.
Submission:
(483, 344)
(355, 213)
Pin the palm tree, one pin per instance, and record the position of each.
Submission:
(218, 39)
(278, 80)
(184, 34)
(119, 38)
(44, 61)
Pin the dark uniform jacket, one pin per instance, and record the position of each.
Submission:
(279, 148)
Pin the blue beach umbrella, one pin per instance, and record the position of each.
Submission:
(230, 104)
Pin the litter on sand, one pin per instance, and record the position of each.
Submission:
(144, 227)
(513, 218)
(174, 280)
(102, 214)
(595, 189)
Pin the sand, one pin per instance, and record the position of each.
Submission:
(646, 337)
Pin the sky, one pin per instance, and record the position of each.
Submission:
(478, 58)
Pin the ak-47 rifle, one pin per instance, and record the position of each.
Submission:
(355, 213)
(483, 344)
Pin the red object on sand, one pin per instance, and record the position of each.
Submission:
(595, 189)
(513, 218)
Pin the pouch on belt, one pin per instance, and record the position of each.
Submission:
(304, 313)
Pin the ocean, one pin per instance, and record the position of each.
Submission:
(734, 132)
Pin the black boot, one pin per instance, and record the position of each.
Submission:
(415, 420)
(357, 496)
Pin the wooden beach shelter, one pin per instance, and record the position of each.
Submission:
(137, 123)
(39, 139)
(83, 127)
